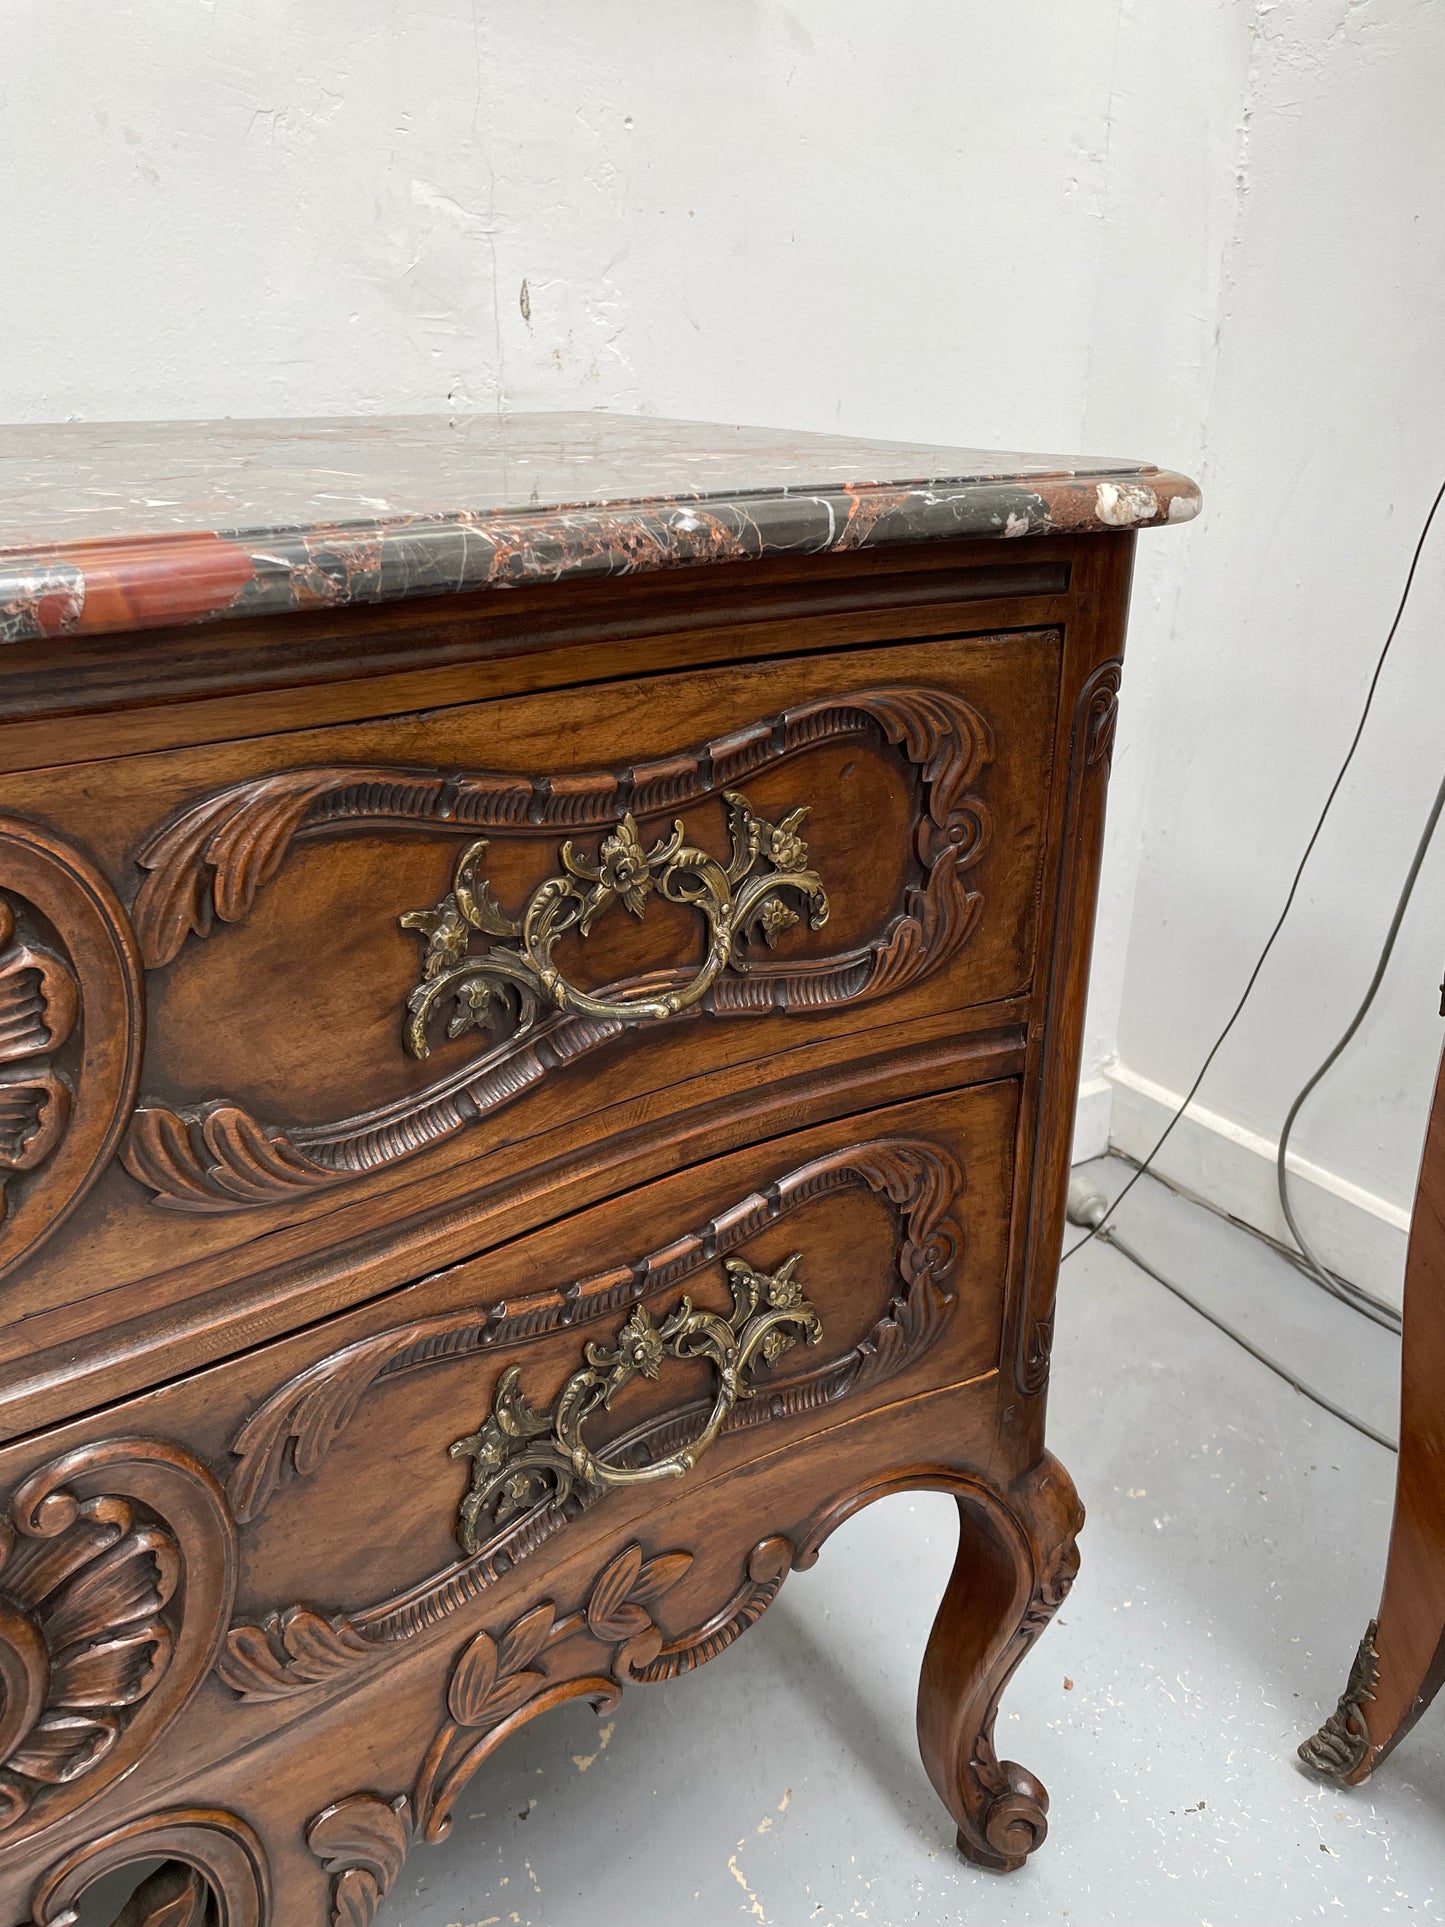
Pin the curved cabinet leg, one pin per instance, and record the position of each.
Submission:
(1412, 1669)
(1400, 1665)
(1016, 1561)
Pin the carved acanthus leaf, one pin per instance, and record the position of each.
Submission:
(215, 1161)
(769, 1564)
(363, 1841)
(211, 858)
(292, 1432)
(492, 1678)
(624, 1589)
(497, 1681)
(292, 1650)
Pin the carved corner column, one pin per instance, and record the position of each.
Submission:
(1067, 949)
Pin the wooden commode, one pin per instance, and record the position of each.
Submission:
(542, 966)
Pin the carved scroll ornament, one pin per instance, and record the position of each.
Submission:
(486, 969)
(497, 1683)
(533, 1472)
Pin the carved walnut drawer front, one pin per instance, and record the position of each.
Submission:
(342, 1502)
(391, 964)
(538, 1040)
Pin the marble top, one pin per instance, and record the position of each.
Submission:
(130, 525)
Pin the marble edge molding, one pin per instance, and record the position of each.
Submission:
(113, 586)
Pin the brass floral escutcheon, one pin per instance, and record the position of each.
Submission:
(523, 1458)
(504, 988)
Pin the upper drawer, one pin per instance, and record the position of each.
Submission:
(434, 947)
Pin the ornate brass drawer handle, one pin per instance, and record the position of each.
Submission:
(504, 988)
(524, 1458)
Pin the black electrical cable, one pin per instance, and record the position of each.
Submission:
(1193, 1091)
(1314, 1266)
(1093, 1210)
(1281, 1247)
(1111, 1237)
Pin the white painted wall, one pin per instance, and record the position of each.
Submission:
(1205, 233)
(827, 213)
(920, 220)
(1324, 442)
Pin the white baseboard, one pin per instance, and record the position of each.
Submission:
(1358, 1234)
(1091, 1120)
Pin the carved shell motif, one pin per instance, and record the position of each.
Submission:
(38, 1009)
(72, 1030)
(83, 1641)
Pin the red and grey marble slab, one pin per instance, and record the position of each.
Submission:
(134, 525)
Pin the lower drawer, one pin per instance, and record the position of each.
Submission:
(229, 1552)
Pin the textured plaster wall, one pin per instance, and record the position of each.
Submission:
(1209, 234)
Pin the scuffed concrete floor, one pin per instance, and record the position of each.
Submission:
(1233, 1554)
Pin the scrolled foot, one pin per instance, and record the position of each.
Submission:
(1016, 1562)
(1014, 1817)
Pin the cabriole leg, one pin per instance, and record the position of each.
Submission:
(1016, 1561)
